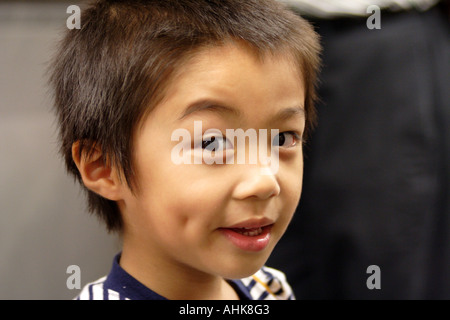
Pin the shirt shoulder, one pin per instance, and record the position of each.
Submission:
(268, 284)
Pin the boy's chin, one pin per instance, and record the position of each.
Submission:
(241, 268)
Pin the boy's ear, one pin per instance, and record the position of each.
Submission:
(97, 176)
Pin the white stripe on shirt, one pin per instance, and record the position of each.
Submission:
(94, 286)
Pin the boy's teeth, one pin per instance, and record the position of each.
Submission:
(249, 232)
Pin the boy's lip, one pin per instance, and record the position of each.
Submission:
(249, 235)
(249, 239)
(252, 223)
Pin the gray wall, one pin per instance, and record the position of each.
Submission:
(44, 226)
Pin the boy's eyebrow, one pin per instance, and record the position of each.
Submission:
(210, 105)
(287, 113)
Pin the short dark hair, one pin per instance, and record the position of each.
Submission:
(107, 75)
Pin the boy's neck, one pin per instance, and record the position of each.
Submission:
(174, 282)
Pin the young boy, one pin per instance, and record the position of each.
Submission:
(139, 71)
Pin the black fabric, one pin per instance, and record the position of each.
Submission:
(376, 182)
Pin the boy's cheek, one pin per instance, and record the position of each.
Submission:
(291, 182)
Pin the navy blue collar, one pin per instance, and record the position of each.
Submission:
(128, 287)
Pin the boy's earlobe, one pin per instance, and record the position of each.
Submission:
(97, 176)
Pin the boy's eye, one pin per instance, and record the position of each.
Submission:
(287, 139)
(216, 144)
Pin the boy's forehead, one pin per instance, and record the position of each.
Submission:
(230, 79)
(222, 71)
(230, 53)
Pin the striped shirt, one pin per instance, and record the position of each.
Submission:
(266, 284)
(347, 8)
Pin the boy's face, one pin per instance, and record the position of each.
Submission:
(192, 217)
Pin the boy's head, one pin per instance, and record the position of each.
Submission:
(123, 80)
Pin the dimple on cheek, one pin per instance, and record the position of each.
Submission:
(188, 213)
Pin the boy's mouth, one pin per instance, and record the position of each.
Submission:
(253, 236)
(249, 232)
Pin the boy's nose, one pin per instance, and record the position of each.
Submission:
(256, 181)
